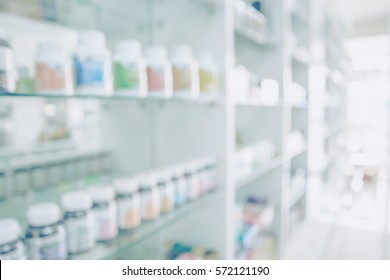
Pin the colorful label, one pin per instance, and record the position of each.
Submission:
(106, 225)
(126, 76)
(89, 71)
(50, 77)
(129, 212)
(181, 76)
(156, 80)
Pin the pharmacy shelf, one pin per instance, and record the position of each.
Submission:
(298, 153)
(302, 106)
(297, 196)
(260, 105)
(200, 100)
(263, 170)
(261, 39)
(127, 240)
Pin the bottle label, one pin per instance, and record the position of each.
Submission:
(106, 225)
(181, 76)
(129, 212)
(89, 71)
(80, 234)
(156, 80)
(51, 247)
(126, 76)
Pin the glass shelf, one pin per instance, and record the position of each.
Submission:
(298, 153)
(256, 37)
(264, 169)
(126, 240)
(210, 101)
(297, 196)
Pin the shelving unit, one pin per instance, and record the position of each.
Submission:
(144, 133)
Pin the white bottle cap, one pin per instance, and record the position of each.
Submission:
(206, 56)
(45, 48)
(157, 53)
(43, 214)
(183, 51)
(147, 180)
(164, 175)
(92, 38)
(9, 230)
(102, 194)
(130, 47)
(75, 201)
(126, 186)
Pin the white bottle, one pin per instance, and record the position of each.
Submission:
(7, 64)
(45, 236)
(208, 76)
(79, 221)
(129, 69)
(92, 63)
(159, 72)
(128, 202)
(105, 211)
(11, 245)
(185, 72)
(53, 72)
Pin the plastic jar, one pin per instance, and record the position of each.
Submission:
(53, 72)
(179, 185)
(192, 181)
(185, 72)
(167, 194)
(208, 76)
(150, 197)
(105, 211)
(159, 72)
(11, 245)
(45, 235)
(210, 173)
(79, 221)
(92, 62)
(128, 203)
(129, 69)
(7, 64)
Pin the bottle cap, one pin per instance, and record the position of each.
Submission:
(92, 38)
(75, 201)
(156, 53)
(126, 186)
(130, 47)
(43, 214)
(183, 51)
(101, 194)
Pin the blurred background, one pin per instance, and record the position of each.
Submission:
(194, 129)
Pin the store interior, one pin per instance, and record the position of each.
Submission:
(194, 129)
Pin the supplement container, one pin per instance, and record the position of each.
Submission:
(179, 185)
(210, 174)
(208, 76)
(11, 245)
(150, 197)
(53, 72)
(7, 64)
(185, 72)
(128, 203)
(45, 235)
(25, 83)
(167, 194)
(79, 221)
(21, 175)
(129, 69)
(159, 72)
(92, 63)
(192, 181)
(105, 211)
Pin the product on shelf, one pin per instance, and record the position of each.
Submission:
(181, 251)
(192, 177)
(255, 218)
(295, 142)
(128, 203)
(253, 157)
(150, 197)
(25, 83)
(11, 244)
(208, 75)
(166, 187)
(7, 65)
(206, 169)
(79, 221)
(185, 75)
(92, 64)
(297, 94)
(159, 72)
(53, 72)
(240, 83)
(269, 91)
(129, 69)
(250, 17)
(45, 236)
(180, 185)
(105, 211)
(21, 175)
